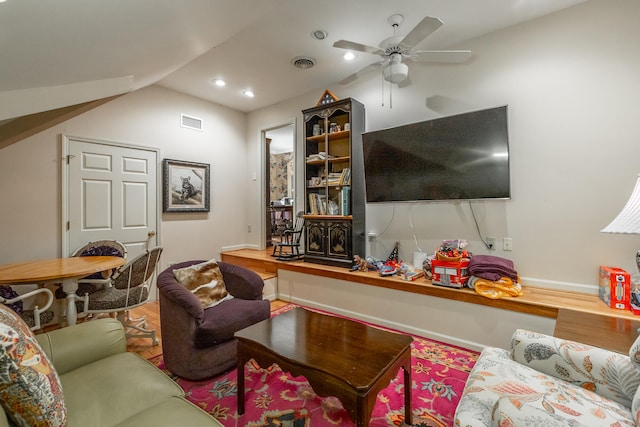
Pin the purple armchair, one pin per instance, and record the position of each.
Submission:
(199, 343)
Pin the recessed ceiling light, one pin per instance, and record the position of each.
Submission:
(219, 82)
(319, 34)
(349, 56)
(248, 93)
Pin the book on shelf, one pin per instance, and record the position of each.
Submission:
(345, 177)
(320, 156)
(317, 204)
(334, 178)
(344, 201)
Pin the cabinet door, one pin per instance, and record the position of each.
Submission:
(316, 242)
(339, 233)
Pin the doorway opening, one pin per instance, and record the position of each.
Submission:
(280, 191)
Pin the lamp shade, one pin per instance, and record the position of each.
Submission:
(628, 220)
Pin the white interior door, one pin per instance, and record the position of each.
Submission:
(111, 193)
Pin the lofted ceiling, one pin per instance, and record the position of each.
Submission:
(66, 52)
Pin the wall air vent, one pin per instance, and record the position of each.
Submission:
(190, 122)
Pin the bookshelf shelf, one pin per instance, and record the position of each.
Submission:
(331, 136)
(334, 176)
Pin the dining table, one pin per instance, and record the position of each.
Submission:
(64, 271)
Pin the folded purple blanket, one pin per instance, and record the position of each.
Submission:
(492, 267)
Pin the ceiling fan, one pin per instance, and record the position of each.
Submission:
(395, 49)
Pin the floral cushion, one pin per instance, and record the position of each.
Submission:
(501, 391)
(609, 374)
(30, 390)
(205, 281)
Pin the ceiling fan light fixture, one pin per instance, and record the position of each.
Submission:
(395, 72)
(349, 56)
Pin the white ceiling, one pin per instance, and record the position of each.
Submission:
(57, 53)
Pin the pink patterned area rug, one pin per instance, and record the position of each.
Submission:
(275, 398)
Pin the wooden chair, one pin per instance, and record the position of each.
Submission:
(290, 238)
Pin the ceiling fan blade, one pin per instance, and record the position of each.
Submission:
(448, 56)
(345, 44)
(369, 68)
(420, 32)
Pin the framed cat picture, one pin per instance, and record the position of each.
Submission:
(185, 186)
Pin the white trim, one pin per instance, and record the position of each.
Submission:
(238, 247)
(263, 172)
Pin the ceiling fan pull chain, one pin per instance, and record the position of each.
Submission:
(390, 87)
(382, 85)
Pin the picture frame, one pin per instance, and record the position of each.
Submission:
(185, 186)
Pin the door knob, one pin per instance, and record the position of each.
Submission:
(151, 233)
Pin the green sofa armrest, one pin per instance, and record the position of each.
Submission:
(75, 346)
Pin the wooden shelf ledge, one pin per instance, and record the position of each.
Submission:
(536, 301)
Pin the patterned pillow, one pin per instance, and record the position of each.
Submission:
(205, 281)
(30, 389)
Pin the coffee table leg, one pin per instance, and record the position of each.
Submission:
(407, 394)
(240, 382)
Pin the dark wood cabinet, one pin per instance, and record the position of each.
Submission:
(334, 183)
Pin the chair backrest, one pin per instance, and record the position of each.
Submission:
(37, 310)
(102, 248)
(137, 271)
(298, 226)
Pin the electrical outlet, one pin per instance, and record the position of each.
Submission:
(507, 244)
(491, 242)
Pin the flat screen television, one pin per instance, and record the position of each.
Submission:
(460, 157)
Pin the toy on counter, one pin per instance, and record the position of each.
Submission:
(453, 250)
(361, 264)
(393, 256)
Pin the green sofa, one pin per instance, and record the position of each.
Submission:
(104, 385)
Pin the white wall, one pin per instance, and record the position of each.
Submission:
(570, 80)
(571, 83)
(30, 177)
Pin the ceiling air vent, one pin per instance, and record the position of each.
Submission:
(190, 122)
(303, 62)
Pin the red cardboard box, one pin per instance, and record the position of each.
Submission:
(615, 287)
(453, 274)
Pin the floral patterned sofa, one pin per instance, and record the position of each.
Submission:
(547, 381)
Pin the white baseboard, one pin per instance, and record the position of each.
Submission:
(238, 247)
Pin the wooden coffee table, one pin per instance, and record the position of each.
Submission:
(339, 357)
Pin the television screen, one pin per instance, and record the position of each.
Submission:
(461, 157)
